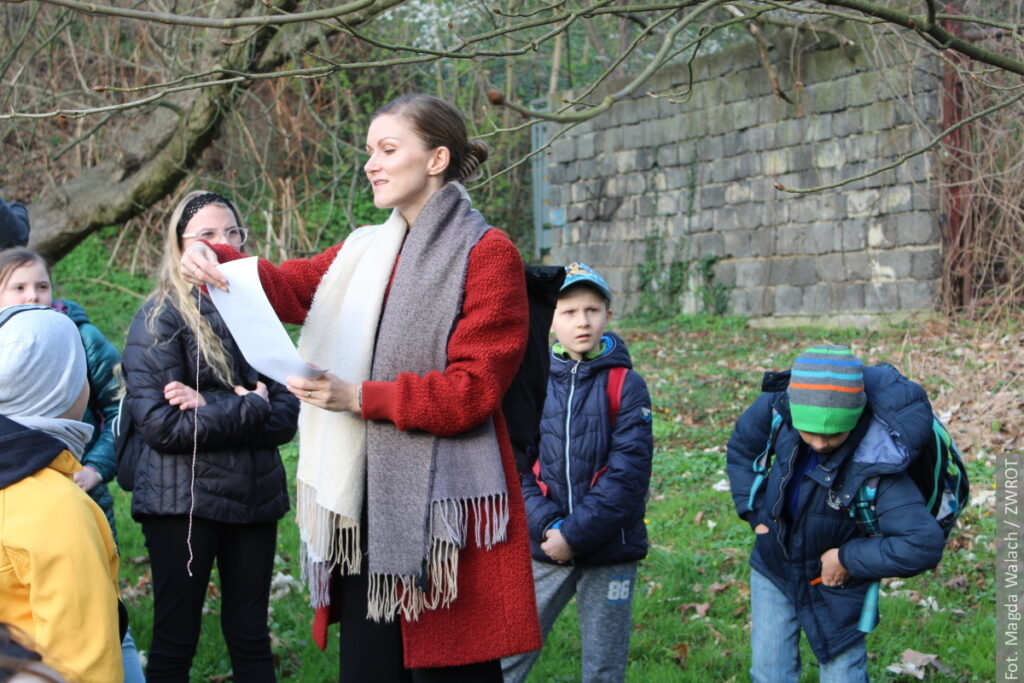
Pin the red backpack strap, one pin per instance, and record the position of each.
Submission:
(540, 482)
(616, 378)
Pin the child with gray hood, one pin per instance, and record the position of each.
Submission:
(58, 561)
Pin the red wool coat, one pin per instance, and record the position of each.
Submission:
(495, 613)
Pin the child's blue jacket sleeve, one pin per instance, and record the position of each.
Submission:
(910, 540)
(748, 440)
(619, 496)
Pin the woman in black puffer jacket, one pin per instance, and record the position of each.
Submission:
(206, 478)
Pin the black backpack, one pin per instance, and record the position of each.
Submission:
(126, 448)
(523, 402)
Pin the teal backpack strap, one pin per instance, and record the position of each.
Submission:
(763, 462)
(950, 491)
(863, 508)
(864, 514)
(941, 438)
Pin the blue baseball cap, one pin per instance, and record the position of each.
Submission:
(577, 273)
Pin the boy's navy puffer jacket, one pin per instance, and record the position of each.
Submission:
(597, 476)
(895, 427)
(239, 476)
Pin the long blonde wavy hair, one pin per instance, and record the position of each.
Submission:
(172, 290)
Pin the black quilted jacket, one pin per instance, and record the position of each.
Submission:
(239, 477)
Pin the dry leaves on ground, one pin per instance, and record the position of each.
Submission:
(981, 371)
(917, 664)
(700, 610)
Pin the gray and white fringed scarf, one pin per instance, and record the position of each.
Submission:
(422, 490)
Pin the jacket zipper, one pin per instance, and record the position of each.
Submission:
(776, 517)
(568, 419)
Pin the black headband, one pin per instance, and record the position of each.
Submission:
(198, 202)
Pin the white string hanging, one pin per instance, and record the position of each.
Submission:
(195, 441)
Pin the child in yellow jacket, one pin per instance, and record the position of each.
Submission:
(58, 561)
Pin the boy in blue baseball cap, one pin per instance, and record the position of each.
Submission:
(587, 492)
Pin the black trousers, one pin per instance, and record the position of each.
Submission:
(372, 651)
(245, 561)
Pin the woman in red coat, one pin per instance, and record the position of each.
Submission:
(412, 524)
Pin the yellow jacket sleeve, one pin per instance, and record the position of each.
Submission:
(65, 574)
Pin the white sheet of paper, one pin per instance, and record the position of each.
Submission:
(259, 334)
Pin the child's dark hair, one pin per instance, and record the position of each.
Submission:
(439, 124)
(18, 257)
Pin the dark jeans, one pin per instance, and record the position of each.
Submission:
(372, 651)
(245, 562)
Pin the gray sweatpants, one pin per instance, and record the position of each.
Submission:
(604, 601)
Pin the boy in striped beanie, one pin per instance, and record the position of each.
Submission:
(796, 461)
(826, 395)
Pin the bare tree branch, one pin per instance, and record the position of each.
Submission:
(942, 38)
(190, 85)
(460, 52)
(663, 54)
(981, 21)
(903, 158)
(762, 50)
(581, 97)
(122, 186)
(331, 66)
(280, 19)
(809, 27)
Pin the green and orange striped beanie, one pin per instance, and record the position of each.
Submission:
(826, 390)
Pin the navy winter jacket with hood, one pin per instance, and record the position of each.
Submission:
(895, 426)
(597, 475)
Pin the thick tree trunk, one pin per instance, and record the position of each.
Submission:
(128, 184)
(154, 159)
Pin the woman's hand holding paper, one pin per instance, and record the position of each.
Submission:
(327, 391)
(199, 267)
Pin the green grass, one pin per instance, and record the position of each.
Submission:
(702, 371)
(297, 656)
(109, 295)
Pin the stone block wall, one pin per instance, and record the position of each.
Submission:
(680, 178)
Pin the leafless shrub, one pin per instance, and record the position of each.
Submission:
(983, 186)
